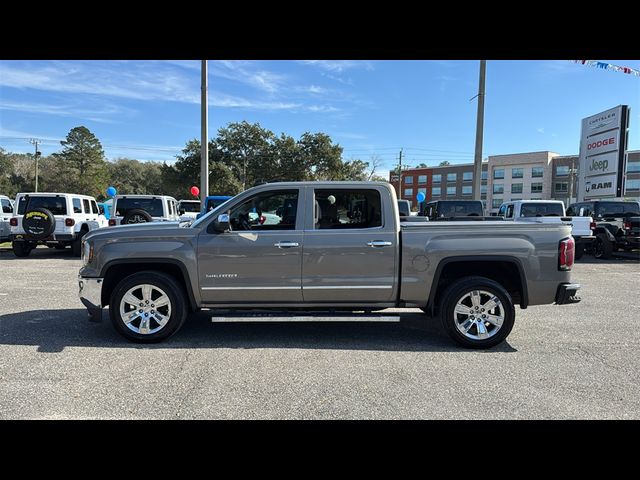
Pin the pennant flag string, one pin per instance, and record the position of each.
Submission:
(608, 66)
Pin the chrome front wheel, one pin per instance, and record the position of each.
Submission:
(145, 309)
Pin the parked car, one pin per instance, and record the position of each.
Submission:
(105, 209)
(337, 246)
(54, 219)
(188, 209)
(212, 202)
(129, 209)
(455, 210)
(613, 222)
(6, 210)
(551, 211)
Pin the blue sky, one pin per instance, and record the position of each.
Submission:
(149, 109)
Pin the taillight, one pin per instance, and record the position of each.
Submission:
(112, 222)
(566, 254)
(592, 225)
(13, 222)
(69, 222)
(627, 225)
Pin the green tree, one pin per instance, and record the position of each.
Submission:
(135, 177)
(81, 164)
(319, 154)
(444, 163)
(422, 165)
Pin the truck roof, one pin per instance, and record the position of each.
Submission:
(535, 201)
(55, 194)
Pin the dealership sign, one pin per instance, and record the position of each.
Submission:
(603, 146)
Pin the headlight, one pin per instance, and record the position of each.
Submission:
(87, 252)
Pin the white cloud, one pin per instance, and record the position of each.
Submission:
(339, 66)
(540, 130)
(67, 110)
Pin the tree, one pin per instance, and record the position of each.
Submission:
(81, 165)
(321, 157)
(135, 177)
(444, 163)
(355, 170)
(422, 165)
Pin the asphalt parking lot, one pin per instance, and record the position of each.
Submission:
(560, 362)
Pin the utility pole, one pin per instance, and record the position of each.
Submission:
(204, 142)
(572, 172)
(400, 175)
(477, 161)
(35, 142)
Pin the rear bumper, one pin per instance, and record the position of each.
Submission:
(567, 293)
(56, 237)
(584, 239)
(90, 293)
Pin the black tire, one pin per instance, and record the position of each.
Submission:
(456, 291)
(602, 248)
(76, 245)
(38, 223)
(579, 252)
(136, 215)
(170, 286)
(21, 249)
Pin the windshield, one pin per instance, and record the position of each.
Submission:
(459, 209)
(192, 207)
(220, 208)
(57, 205)
(541, 210)
(153, 206)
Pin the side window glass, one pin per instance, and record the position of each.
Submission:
(87, 208)
(275, 210)
(343, 209)
(77, 206)
(503, 209)
(94, 207)
(510, 211)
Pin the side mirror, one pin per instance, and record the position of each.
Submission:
(222, 223)
(581, 214)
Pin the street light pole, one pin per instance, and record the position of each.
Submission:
(204, 142)
(477, 162)
(35, 142)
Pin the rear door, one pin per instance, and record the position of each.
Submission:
(349, 252)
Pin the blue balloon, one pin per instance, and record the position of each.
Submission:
(420, 197)
(111, 191)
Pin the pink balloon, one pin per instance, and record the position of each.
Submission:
(195, 191)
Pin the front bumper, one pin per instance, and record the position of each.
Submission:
(90, 293)
(567, 293)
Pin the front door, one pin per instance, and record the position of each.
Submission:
(349, 252)
(259, 260)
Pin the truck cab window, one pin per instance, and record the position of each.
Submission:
(274, 210)
(339, 209)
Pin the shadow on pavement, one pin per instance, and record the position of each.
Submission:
(38, 254)
(618, 257)
(53, 330)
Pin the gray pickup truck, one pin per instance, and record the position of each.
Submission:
(312, 247)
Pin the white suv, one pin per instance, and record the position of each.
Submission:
(53, 219)
(128, 209)
(6, 210)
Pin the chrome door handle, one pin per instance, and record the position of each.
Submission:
(379, 243)
(286, 244)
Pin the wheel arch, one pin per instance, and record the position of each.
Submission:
(116, 270)
(507, 271)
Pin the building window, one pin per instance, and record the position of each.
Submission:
(633, 184)
(562, 170)
(408, 180)
(466, 189)
(498, 173)
(408, 192)
(517, 172)
(536, 188)
(451, 190)
(423, 191)
(498, 188)
(435, 191)
(496, 202)
(516, 188)
(422, 179)
(537, 172)
(562, 187)
(451, 177)
(437, 178)
(467, 176)
(483, 189)
(633, 167)
(484, 175)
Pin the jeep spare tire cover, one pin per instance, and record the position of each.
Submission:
(136, 215)
(38, 223)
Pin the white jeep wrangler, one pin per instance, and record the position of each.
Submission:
(128, 209)
(53, 219)
(6, 210)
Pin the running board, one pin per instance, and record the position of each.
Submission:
(307, 317)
